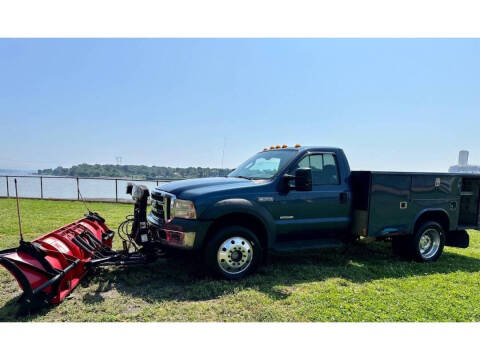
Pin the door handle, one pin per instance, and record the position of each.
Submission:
(343, 197)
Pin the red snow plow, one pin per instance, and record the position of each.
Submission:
(51, 266)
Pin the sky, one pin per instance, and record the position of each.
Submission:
(391, 104)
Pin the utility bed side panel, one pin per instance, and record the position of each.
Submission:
(437, 191)
(469, 214)
(389, 203)
(389, 212)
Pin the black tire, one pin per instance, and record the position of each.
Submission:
(400, 246)
(435, 233)
(214, 256)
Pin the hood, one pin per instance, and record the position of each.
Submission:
(190, 189)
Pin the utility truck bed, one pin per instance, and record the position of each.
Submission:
(390, 203)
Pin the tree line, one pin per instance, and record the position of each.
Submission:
(140, 172)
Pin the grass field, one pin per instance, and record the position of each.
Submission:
(363, 284)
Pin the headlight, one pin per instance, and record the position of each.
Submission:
(182, 209)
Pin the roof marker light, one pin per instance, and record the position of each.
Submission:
(272, 147)
(265, 149)
(297, 145)
(284, 146)
(277, 147)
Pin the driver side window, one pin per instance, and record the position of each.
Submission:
(324, 168)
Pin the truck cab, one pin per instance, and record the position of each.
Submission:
(314, 214)
(280, 199)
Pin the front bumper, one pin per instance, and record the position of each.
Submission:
(179, 233)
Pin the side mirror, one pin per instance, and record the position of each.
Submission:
(303, 179)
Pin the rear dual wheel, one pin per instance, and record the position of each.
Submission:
(233, 252)
(426, 245)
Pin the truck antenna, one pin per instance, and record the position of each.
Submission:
(223, 150)
(18, 212)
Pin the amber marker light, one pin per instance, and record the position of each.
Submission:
(265, 149)
(284, 146)
(297, 145)
(272, 147)
(277, 147)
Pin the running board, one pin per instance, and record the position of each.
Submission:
(305, 245)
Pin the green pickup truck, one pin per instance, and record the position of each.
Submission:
(304, 198)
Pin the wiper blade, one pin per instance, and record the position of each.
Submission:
(250, 178)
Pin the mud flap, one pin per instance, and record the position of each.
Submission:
(458, 239)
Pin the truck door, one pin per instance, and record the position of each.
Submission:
(320, 214)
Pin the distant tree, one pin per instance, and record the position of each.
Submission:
(141, 172)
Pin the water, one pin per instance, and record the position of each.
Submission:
(66, 188)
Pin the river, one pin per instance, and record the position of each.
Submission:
(66, 188)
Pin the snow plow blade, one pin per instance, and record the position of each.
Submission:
(51, 266)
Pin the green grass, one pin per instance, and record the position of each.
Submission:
(364, 284)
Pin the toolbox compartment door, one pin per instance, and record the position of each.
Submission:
(380, 203)
(389, 204)
(470, 203)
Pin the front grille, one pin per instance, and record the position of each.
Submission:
(161, 205)
(158, 197)
(157, 209)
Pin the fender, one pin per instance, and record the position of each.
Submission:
(431, 210)
(241, 205)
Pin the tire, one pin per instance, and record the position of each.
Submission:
(400, 246)
(427, 243)
(233, 252)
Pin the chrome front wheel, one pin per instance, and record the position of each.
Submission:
(233, 252)
(235, 255)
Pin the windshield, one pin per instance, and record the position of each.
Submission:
(264, 165)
